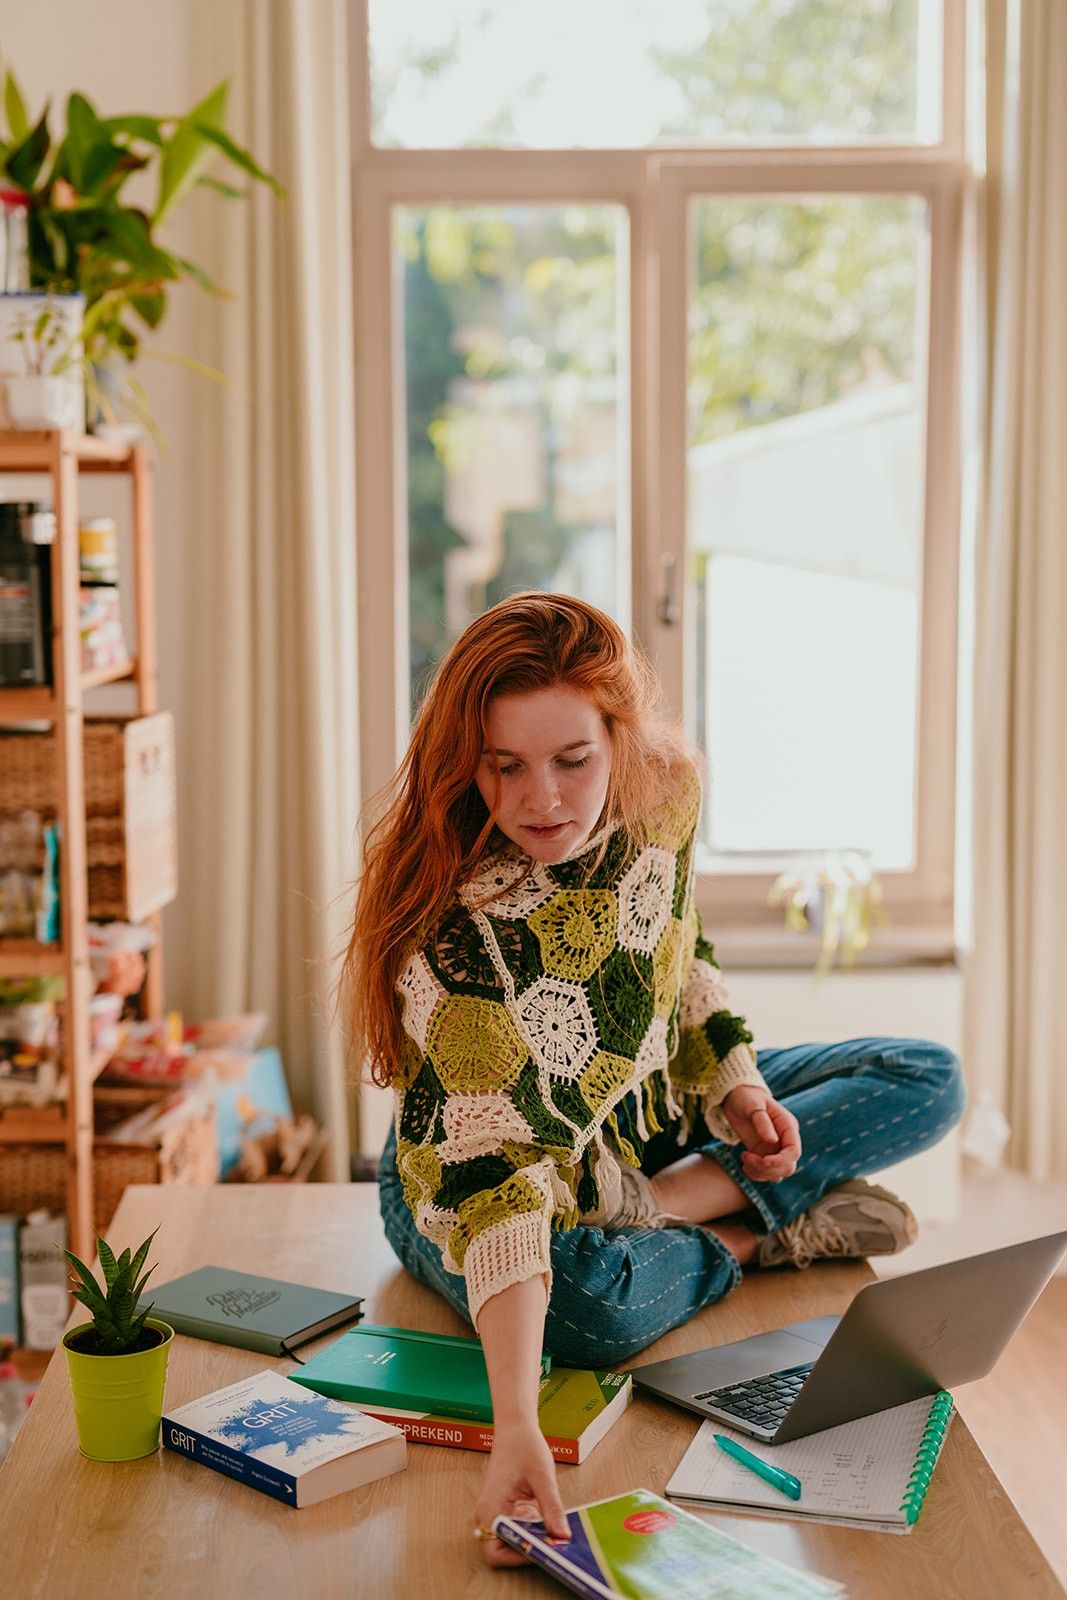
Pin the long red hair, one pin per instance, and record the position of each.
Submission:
(435, 826)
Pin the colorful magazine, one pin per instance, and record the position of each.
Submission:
(637, 1546)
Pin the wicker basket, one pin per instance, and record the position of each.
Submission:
(33, 1176)
(131, 824)
(115, 1102)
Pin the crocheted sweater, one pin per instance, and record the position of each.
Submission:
(556, 1020)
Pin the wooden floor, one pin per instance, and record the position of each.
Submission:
(1018, 1414)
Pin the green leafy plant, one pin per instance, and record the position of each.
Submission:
(117, 1325)
(43, 341)
(31, 991)
(84, 235)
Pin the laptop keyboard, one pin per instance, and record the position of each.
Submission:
(761, 1402)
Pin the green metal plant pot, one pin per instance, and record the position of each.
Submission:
(118, 1400)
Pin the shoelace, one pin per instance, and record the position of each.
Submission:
(802, 1240)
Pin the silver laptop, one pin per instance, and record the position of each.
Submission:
(901, 1338)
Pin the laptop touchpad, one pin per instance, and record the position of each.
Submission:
(752, 1358)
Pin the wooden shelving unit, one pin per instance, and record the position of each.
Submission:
(65, 456)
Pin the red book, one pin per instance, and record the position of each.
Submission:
(575, 1409)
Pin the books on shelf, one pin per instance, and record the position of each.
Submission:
(9, 1280)
(285, 1441)
(638, 1544)
(44, 1297)
(575, 1409)
(241, 1308)
(402, 1368)
(873, 1473)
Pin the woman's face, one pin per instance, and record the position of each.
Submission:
(554, 754)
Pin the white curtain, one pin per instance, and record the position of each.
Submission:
(1016, 1013)
(269, 764)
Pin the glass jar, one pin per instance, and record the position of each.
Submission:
(14, 242)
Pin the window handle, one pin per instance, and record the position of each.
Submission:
(667, 607)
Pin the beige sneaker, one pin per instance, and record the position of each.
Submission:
(857, 1219)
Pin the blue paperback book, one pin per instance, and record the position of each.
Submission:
(9, 1280)
(284, 1440)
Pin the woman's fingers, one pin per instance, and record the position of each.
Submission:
(552, 1512)
(770, 1170)
(763, 1126)
(499, 1554)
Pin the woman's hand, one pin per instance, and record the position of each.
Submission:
(769, 1133)
(520, 1482)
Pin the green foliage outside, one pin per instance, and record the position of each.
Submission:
(795, 302)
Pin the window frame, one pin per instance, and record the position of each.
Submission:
(655, 187)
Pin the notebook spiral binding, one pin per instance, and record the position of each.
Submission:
(926, 1456)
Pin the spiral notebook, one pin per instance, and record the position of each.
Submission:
(873, 1473)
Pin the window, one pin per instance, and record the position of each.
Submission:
(669, 318)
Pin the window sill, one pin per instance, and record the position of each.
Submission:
(892, 947)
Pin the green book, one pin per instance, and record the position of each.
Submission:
(434, 1372)
(241, 1308)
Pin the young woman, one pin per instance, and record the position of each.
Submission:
(587, 1150)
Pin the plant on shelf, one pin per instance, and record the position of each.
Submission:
(85, 237)
(47, 332)
(118, 1361)
(39, 335)
(31, 991)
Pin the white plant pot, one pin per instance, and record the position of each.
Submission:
(22, 403)
(42, 401)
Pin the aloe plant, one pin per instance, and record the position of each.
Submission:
(117, 1324)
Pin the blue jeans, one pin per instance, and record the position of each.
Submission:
(861, 1106)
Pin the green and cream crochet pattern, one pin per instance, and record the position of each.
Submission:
(559, 1017)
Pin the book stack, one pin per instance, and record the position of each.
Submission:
(435, 1388)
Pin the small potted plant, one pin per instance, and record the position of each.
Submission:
(48, 392)
(85, 236)
(118, 1361)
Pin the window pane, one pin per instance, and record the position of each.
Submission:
(515, 363)
(805, 493)
(567, 74)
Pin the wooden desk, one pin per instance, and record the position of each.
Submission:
(167, 1527)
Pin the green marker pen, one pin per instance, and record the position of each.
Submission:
(776, 1476)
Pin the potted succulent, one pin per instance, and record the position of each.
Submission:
(85, 234)
(118, 1361)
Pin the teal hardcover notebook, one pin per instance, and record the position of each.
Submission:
(241, 1308)
(401, 1367)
